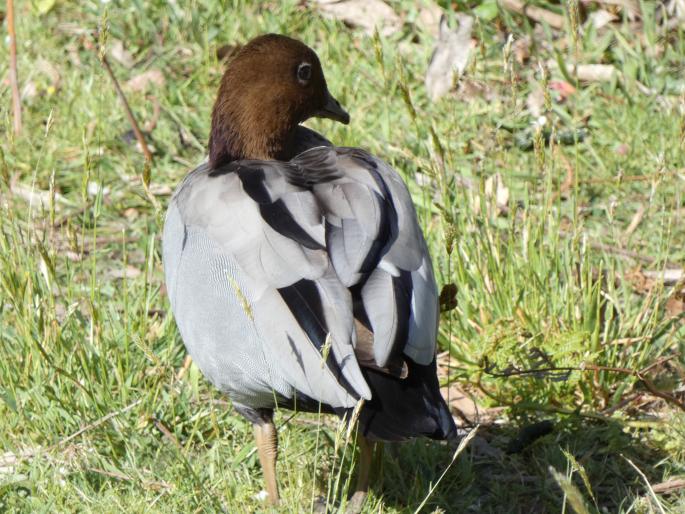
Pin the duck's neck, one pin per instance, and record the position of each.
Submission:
(244, 131)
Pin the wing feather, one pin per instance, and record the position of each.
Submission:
(332, 228)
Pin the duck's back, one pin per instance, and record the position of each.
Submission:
(309, 282)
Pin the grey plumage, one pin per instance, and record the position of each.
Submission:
(267, 262)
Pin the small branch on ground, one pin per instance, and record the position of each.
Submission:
(12, 459)
(166, 433)
(97, 423)
(669, 486)
(537, 14)
(639, 374)
(124, 102)
(14, 80)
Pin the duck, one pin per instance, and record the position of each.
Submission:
(296, 270)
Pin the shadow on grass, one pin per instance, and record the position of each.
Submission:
(485, 478)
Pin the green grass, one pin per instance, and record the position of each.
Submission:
(95, 416)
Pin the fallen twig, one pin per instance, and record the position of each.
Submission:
(14, 80)
(639, 374)
(669, 486)
(97, 423)
(127, 109)
(151, 484)
(535, 13)
(28, 454)
(167, 433)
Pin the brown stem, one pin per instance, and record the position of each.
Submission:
(14, 80)
(669, 486)
(639, 374)
(127, 109)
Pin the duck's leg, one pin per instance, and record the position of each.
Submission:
(267, 446)
(266, 438)
(361, 488)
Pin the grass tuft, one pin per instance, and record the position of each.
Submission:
(550, 236)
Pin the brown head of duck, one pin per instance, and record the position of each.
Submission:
(271, 85)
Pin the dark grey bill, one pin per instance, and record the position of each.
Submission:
(333, 110)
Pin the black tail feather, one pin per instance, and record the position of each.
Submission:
(401, 409)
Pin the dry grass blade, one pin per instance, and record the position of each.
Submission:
(649, 486)
(462, 445)
(13, 76)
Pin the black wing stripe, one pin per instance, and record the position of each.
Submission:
(403, 286)
(304, 302)
(253, 184)
(280, 219)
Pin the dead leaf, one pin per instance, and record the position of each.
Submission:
(120, 54)
(429, 17)
(365, 14)
(601, 18)
(450, 56)
(675, 306)
(141, 82)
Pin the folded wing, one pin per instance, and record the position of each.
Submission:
(326, 238)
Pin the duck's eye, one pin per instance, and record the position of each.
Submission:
(304, 73)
